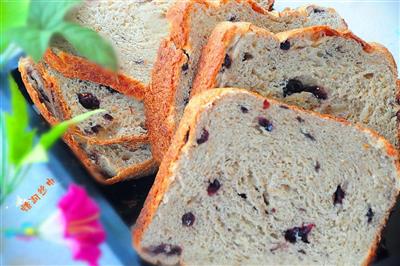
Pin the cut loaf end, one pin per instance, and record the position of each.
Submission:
(249, 180)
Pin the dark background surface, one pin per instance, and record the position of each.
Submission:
(127, 199)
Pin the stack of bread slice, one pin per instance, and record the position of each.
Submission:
(158, 45)
(299, 166)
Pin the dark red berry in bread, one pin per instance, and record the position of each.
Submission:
(293, 86)
(96, 128)
(247, 56)
(285, 45)
(308, 135)
(204, 137)
(370, 215)
(266, 104)
(88, 100)
(93, 157)
(301, 120)
(108, 117)
(265, 123)
(185, 67)
(188, 219)
(296, 86)
(317, 166)
(166, 249)
(338, 196)
(227, 61)
(232, 18)
(213, 187)
(318, 10)
(298, 233)
(242, 195)
(317, 91)
(244, 109)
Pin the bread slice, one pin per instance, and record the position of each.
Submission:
(252, 181)
(106, 143)
(134, 28)
(317, 68)
(177, 60)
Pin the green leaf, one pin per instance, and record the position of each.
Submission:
(39, 152)
(12, 14)
(20, 140)
(89, 44)
(33, 41)
(47, 15)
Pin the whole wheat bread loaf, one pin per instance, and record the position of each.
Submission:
(252, 181)
(112, 145)
(316, 68)
(178, 55)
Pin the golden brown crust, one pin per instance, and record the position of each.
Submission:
(191, 115)
(159, 113)
(138, 170)
(162, 114)
(73, 66)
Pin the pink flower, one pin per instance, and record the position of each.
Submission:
(82, 228)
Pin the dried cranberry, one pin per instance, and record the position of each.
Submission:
(166, 249)
(266, 104)
(293, 86)
(338, 196)
(296, 86)
(108, 117)
(370, 215)
(244, 109)
(227, 61)
(317, 167)
(247, 56)
(285, 45)
(298, 233)
(265, 123)
(204, 137)
(93, 157)
(88, 100)
(185, 67)
(317, 91)
(232, 18)
(96, 128)
(242, 195)
(213, 187)
(188, 219)
(308, 135)
(318, 10)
